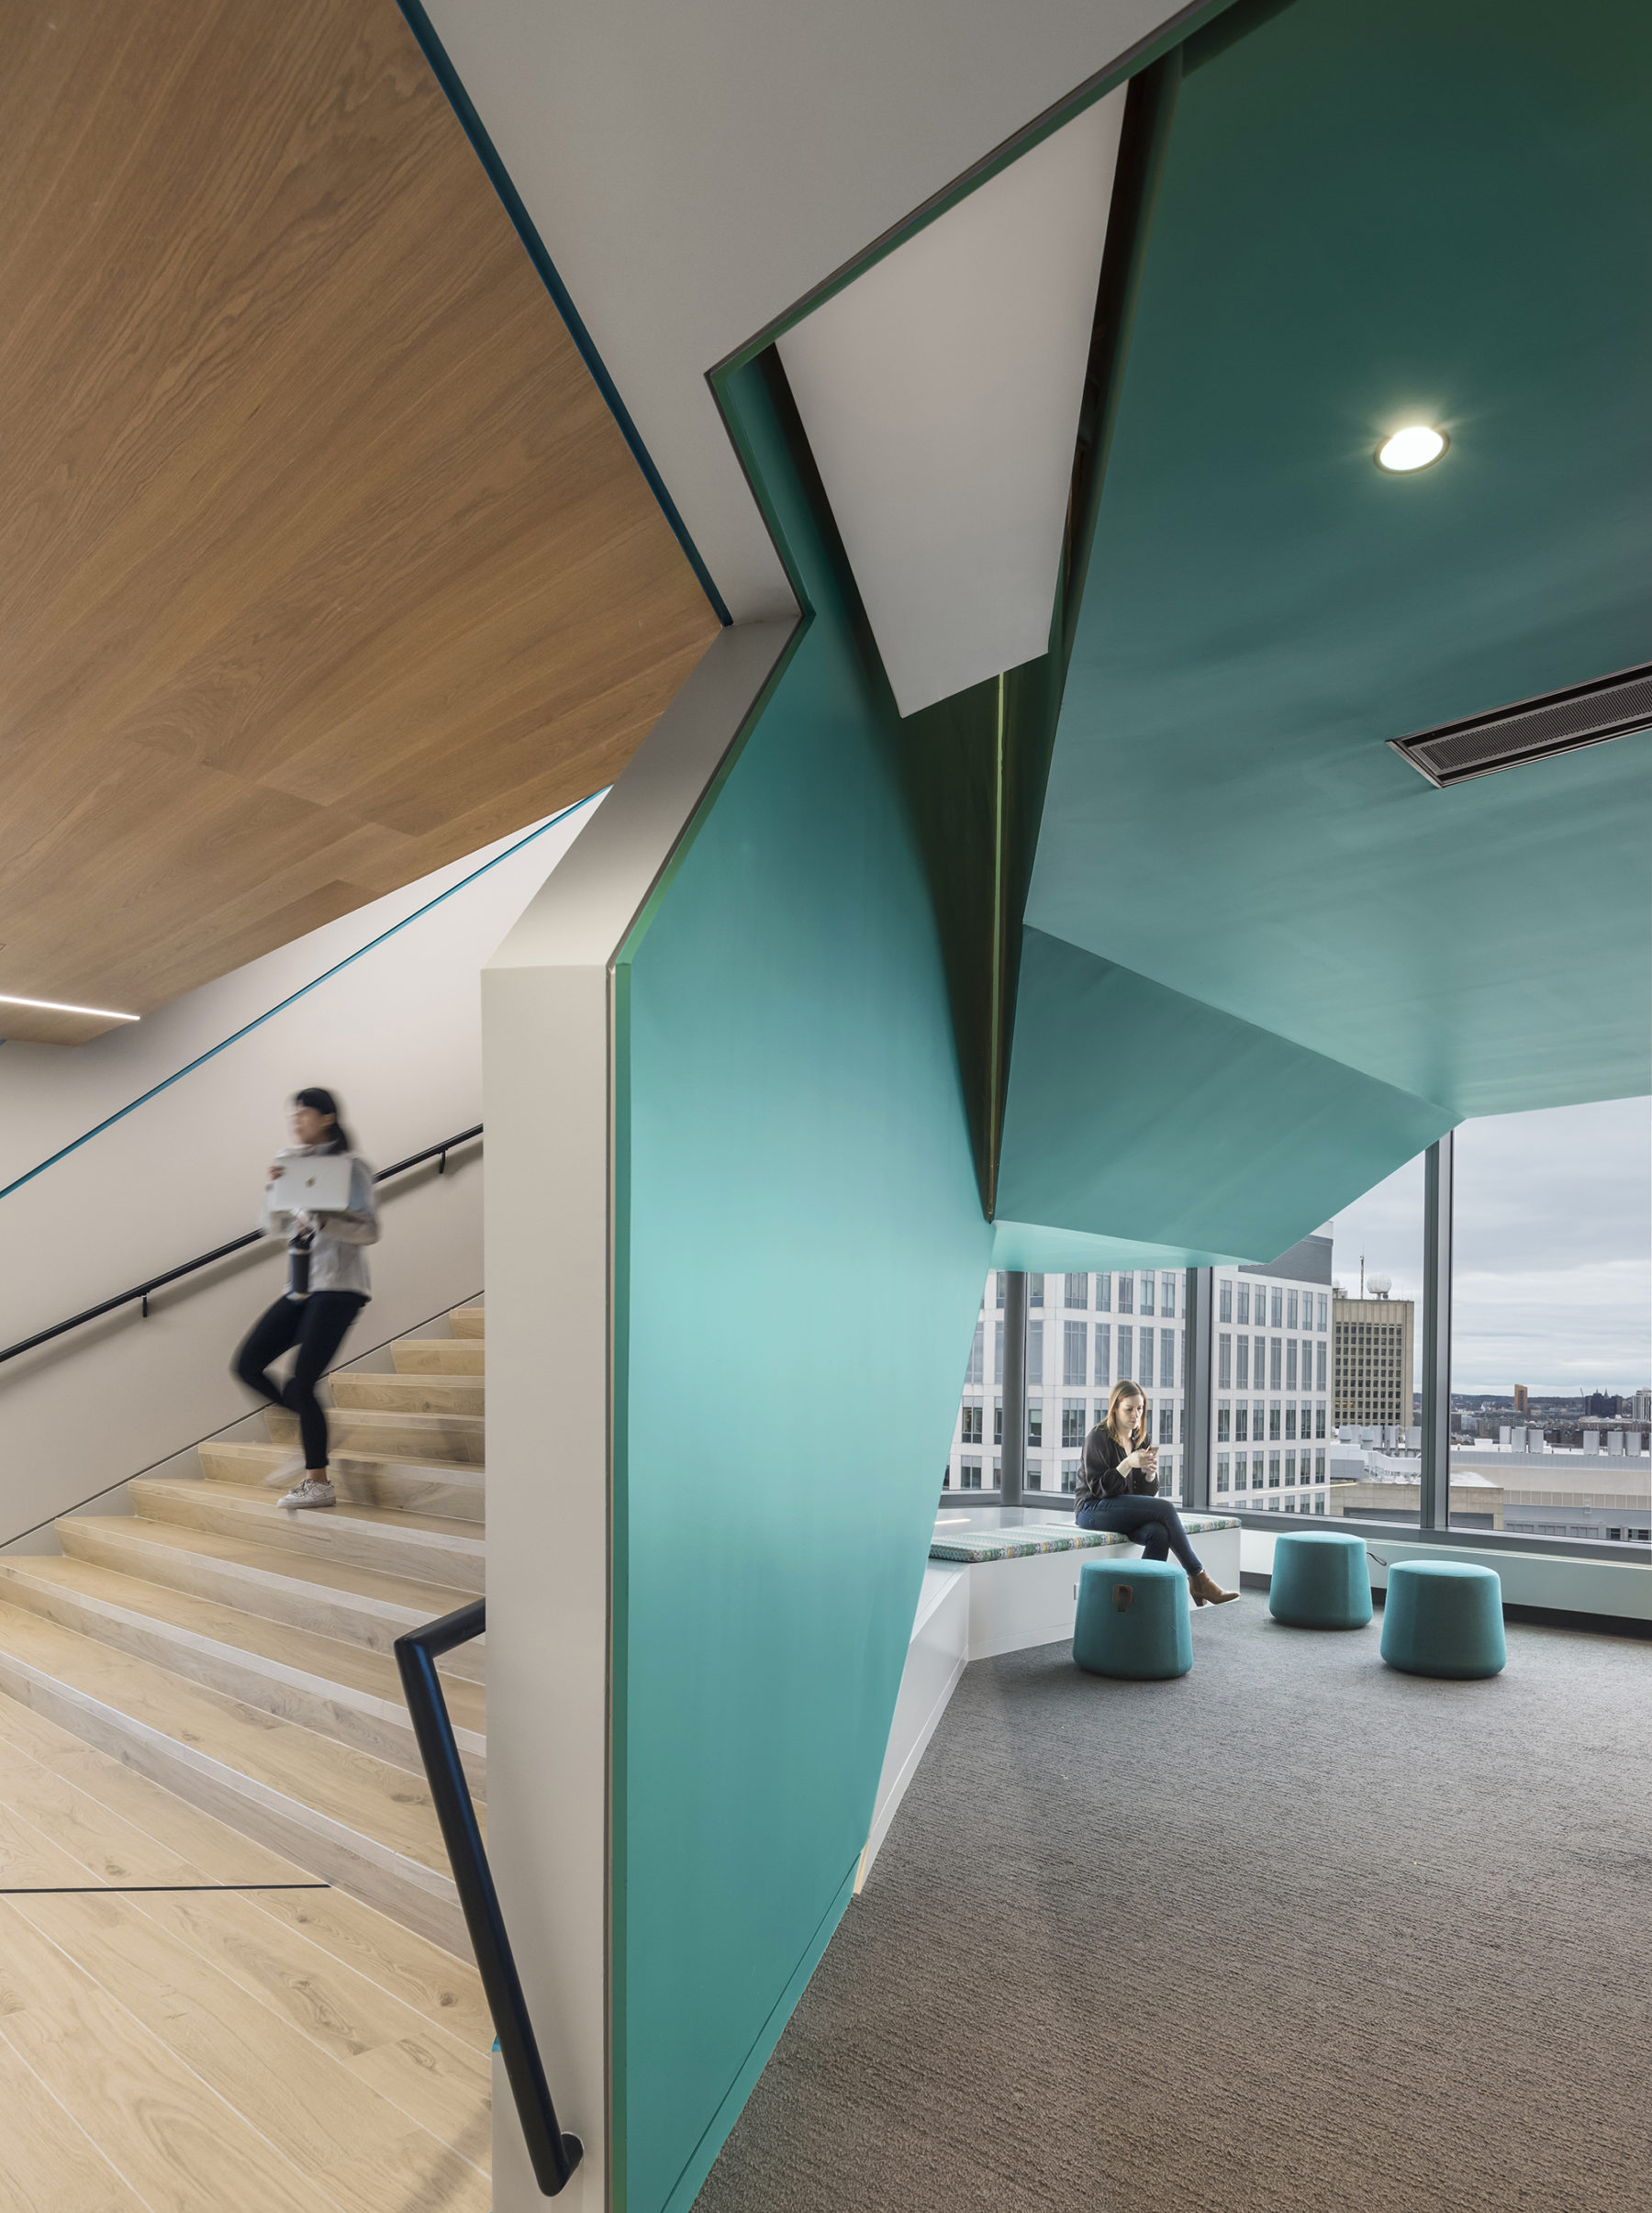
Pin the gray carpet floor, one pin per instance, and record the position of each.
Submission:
(1294, 1931)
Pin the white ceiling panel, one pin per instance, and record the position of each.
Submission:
(941, 394)
(694, 171)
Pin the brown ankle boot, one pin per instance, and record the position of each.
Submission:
(1208, 1592)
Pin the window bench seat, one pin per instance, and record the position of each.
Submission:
(1021, 1576)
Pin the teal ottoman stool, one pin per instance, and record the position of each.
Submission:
(1133, 1619)
(1444, 1617)
(1320, 1580)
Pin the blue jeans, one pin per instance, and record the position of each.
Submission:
(1152, 1523)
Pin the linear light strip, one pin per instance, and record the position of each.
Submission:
(281, 1005)
(57, 1006)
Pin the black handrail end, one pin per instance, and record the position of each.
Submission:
(555, 2153)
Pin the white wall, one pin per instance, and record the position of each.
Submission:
(397, 1033)
(694, 171)
(549, 1107)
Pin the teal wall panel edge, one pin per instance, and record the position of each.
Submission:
(1035, 1245)
(799, 1250)
(705, 2153)
(1136, 1113)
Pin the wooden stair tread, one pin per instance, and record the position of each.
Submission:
(456, 1490)
(423, 2069)
(262, 1459)
(325, 1662)
(265, 1513)
(376, 1421)
(350, 1788)
(440, 1355)
(427, 1600)
(417, 1394)
(52, 2166)
(221, 1854)
(124, 1829)
(382, 1430)
(221, 1668)
(101, 1844)
(105, 2066)
(278, 2099)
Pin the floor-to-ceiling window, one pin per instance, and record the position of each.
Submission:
(1316, 1367)
(1551, 1342)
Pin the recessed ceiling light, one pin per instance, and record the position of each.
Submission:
(56, 1006)
(1412, 448)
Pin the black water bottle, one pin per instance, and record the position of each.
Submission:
(298, 1264)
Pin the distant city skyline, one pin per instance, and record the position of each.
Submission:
(1553, 1227)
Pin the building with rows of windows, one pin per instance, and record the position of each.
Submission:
(1373, 1347)
(1085, 1333)
(1270, 1381)
(1270, 1377)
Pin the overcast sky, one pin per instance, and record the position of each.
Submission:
(1553, 1278)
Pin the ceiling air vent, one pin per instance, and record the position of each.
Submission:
(1586, 715)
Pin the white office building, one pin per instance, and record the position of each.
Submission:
(1085, 1333)
(1270, 1378)
(1270, 1381)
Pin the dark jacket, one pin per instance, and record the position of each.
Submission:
(1101, 1478)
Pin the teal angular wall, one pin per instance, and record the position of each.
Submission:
(799, 1253)
(1137, 1113)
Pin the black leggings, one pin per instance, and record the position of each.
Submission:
(1152, 1523)
(317, 1326)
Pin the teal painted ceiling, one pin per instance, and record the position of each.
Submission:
(1418, 210)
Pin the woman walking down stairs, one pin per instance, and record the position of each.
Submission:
(239, 1654)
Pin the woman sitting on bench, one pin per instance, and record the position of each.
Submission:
(1118, 1490)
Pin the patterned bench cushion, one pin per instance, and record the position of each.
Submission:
(972, 1545)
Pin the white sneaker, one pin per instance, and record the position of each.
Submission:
(278, 1478)
(311, 1493)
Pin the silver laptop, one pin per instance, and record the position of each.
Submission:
(311, 1183)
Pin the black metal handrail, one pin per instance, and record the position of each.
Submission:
(554, 2154)
(142, 1291)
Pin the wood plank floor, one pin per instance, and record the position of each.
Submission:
(170, 2045)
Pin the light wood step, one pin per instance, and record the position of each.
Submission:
(337, 1689)
(51, 2164)
(468, 1321)
(356, 1820)
(124, 1829)
(329, 1597)
(429, 1548)
(355, 1389)
(226, 2103)
(137, 2109)
(440, 1355)
(104, 1844)
(217, 1852)
(425, 2072)
(382, 1435)
(453, 1488)
(306, 1992)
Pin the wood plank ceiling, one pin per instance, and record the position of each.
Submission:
(322, 561)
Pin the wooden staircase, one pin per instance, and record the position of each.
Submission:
(239, 1654)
